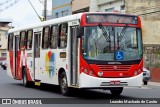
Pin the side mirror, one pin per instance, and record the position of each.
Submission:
(80, 32)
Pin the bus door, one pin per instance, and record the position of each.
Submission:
(74, 56)
(16, 57)
(36, 55)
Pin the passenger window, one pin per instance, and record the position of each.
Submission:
(46, 36)
(63, 35)
(54, 37)
(29, 39)
(22, 40)
(10, 42)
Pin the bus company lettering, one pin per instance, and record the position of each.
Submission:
(50, 63)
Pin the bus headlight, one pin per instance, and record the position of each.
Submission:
(85, 70)
(139, 70)
(91, 72)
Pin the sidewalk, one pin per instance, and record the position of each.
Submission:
(154, 83)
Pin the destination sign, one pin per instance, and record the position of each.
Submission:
(111, 18)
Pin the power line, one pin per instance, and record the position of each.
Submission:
(2, 3)
(41, 19)
(8, 6)
(41, 2)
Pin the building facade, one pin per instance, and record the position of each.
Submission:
(98, 6)
(79, 6)
(150, 16)
(148, 11)
(107, 5)
(4, 27)
(61, 8)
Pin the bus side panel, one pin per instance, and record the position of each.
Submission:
(29, 65)
(50, 63)
(10, 64)
(18, 67)
(23, 63)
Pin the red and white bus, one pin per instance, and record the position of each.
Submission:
(86, 50)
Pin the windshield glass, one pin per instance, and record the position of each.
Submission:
(112, 43)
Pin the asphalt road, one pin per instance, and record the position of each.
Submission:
(10, 88)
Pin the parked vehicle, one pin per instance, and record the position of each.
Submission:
(4, 65)
(146, 76)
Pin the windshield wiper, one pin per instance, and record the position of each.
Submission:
(119, 37)
(104, 32)
(106, 35)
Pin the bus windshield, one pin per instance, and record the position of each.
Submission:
(109, 43)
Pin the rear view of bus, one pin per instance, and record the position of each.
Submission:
(111, 51)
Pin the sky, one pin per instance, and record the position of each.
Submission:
(22, 12)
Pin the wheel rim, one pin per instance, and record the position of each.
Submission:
(24, 79)
(64, 84)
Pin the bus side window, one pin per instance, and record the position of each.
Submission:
(63, 35)
(54, 37)
(45, 38)
(10, 42)
(29, 39)
(22, 40)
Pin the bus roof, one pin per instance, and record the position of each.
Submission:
(59, 20)
(47, 23)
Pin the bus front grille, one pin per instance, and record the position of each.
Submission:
(111, 68)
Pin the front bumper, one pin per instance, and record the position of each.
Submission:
(146, 78)
(87, 81)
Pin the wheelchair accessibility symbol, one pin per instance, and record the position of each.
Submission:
(119, 55)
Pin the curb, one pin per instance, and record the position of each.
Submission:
(154, 83)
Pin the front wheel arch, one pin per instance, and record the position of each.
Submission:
(63, 83)
(26, 83)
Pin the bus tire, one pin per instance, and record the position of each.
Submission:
(116, 91)
(145, 82)
(63, 84)
(25, 81)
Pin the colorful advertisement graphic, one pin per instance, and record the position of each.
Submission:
(50, 63)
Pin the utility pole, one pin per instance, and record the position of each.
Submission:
(45, 9)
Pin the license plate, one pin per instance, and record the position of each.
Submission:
(115, 82)
(37, 83)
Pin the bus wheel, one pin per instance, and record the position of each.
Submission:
(116, 91)
(63, 84)
(25, 81)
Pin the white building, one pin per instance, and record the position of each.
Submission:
(107, 5)
(4, 27)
